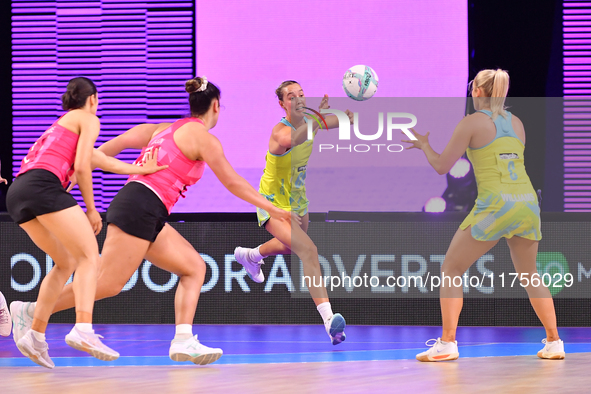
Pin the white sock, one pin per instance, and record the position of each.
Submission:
(31, 309)
(255, 255)
(40, 336)
(183, 331)
(84, 327)
(325, 311)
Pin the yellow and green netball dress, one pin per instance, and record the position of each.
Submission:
(284, 179)
(507, 204)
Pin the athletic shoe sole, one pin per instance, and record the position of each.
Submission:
(33, 357)
(82, 346)
(202, 359)
(552, 356)
(442, 357)
(337, 329)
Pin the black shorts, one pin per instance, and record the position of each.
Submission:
(138, 211)
(34, 193)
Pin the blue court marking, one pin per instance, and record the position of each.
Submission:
(147, 345)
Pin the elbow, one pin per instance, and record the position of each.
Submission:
(82, 171)
(441, 170)
(232, 186)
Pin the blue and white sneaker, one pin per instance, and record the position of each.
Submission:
(192, 350)
(5, 319)
(335, 328)
(21, 320)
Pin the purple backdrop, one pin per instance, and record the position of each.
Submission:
(418, 49)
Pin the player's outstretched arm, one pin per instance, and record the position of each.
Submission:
(212, 153)
(135, 138)
(111, 164)
(456, 147)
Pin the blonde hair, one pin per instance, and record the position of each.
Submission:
(494, 85)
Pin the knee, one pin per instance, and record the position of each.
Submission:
(109, 289)
(107, 286)
(309, 251)
(195, 268)
(86, 256)
(450, 269)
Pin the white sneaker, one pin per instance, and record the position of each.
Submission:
(439, 351)
(192, 350)
(90, 343)
(552, 350)
(21, 320)
(253, 268)
(335, 328)
(5, 320)
(35, 350)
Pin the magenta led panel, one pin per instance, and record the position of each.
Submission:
(577, 105)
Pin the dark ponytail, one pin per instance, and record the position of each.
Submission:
(77, 92)
(200, 100)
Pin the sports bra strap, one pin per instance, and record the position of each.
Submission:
(182, 122)
(485, 111)
(286, 122)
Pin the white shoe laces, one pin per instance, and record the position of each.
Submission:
(545, 341)
(432, 344)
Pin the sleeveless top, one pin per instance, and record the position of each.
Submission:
(54, 151)
(507, 204)
(499, 165)
(284, 176)
(171, 183)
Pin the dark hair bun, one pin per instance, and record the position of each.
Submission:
(205, 93)
(192, 85)
(77, 92)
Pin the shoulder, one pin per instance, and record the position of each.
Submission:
(476, 117)
(79, 115)
(194, 126)
(280, 126)
(159, 127)
(475, 120)
(516, 121)
(77, 120)
(470, 122)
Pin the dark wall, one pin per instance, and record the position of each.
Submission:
(355, 249)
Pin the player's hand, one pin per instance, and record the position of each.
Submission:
(421, 142)
(150, 164)
(73, 182)
(324, 103)
(295, 218)
(350, 115)
(96, 222)
(280, 214)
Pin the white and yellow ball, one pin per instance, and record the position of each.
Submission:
(360, 82)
